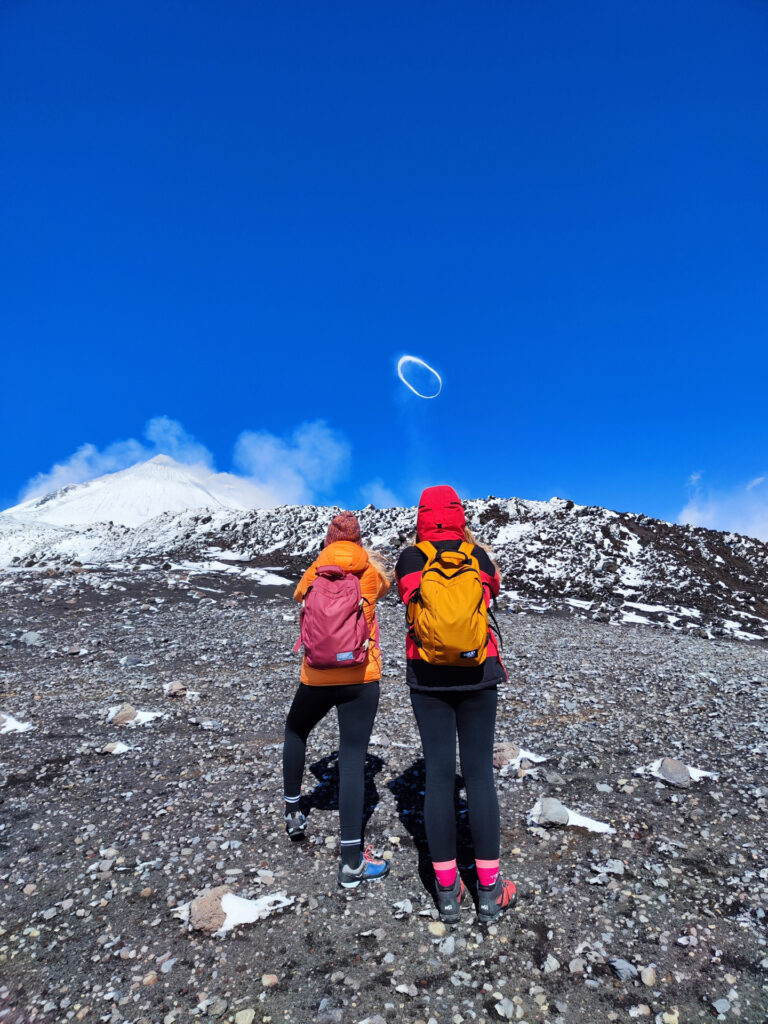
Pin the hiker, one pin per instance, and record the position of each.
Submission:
(447, 580)
(341, 669)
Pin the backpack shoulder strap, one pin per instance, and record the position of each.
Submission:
(467, 549)
(429, 551)
(427, 548)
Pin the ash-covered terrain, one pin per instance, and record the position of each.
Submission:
(635, 648)
(661, 919)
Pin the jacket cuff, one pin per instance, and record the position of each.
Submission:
(408, 585)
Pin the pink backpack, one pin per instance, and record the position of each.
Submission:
(334, 630)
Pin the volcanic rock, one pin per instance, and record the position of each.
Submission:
(623, 969)
(125, 713)
(552, 812)
(205, 911)
(504, 752)
(675, 772)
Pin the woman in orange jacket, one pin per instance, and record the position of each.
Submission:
(352, 688)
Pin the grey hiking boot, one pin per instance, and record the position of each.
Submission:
(494, 899)
(449, 900)
(295, 825)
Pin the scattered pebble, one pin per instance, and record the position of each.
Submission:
(648, 976)
(551, 964)
(623, 969)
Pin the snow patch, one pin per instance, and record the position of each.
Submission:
(542, 814)
(141, 717)
(10, 724)
(242, 911)
(117, 748)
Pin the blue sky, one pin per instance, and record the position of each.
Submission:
(238, 217)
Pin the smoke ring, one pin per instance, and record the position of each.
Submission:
(404, 361)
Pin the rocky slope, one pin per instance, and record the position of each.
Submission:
(661, 919)
(556, 557)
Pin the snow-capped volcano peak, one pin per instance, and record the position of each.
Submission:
(159, 460)
(131, 496)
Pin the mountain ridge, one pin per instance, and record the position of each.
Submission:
(556, 557)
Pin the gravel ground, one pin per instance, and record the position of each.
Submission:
(662, 920)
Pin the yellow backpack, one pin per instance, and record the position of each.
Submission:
(447, 617)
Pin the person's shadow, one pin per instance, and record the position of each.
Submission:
(408, 791)
(325, 795)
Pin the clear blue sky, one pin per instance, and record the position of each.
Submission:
(240, 215)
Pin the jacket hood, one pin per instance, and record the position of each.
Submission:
(441, 515)
(345, 553)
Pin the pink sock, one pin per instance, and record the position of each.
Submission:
(487, 871)
(445, 872)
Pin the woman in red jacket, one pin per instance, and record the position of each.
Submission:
(451, 700)
(354, 691)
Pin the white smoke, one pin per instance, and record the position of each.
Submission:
(743, 509)
(421, 374)
(375, 492)
(267, 470)
(311, 461)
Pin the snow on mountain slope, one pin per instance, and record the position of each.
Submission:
(129, 497)
(556, 557)
(26, 543)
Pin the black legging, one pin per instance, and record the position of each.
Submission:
(356, 705)
(471, 714)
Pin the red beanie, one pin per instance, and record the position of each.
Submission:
(344, 526)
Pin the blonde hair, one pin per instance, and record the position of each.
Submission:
(380, 565)
(470, 538)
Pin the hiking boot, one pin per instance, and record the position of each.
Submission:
(449, 900)
(371, 869)
(295, 825)
(494, 899)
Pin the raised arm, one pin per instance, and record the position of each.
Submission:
(304, 583)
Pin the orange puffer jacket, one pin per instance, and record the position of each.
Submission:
(352, 558)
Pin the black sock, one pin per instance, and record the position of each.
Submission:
(351, 855)
(292, 808)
